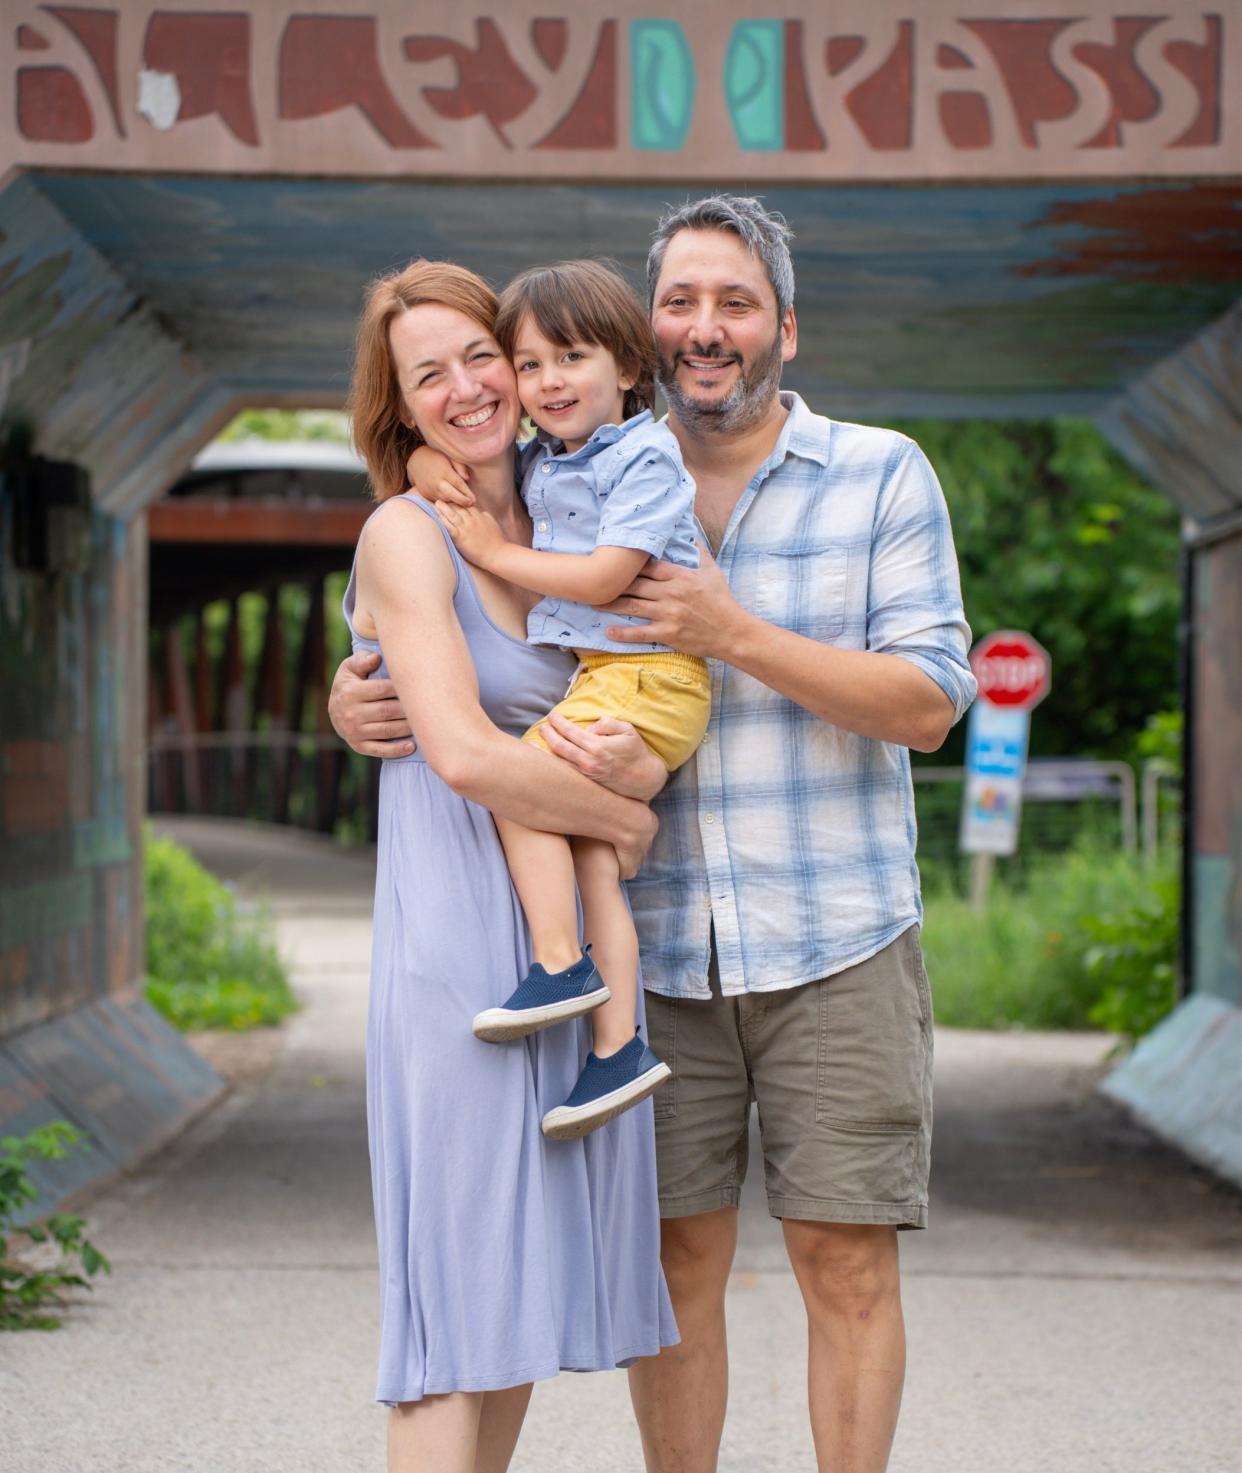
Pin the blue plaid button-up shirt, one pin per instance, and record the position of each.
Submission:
(793, 838)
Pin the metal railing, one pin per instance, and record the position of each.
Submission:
(1064, 800)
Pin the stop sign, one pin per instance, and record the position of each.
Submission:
(1012, 668)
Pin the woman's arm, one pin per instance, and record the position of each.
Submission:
(368, 716)
(405, 582)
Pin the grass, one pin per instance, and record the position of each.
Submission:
(208, 965)
(1086, 939)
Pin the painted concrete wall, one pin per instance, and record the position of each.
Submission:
(856, 89)
(72, 670)
(1181, 424)
(1217, 757)
(89, 374)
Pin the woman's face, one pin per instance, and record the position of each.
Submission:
(457, 387)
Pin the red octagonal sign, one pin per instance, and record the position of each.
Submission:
(1012, 668)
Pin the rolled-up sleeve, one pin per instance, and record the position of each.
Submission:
(914, 606)
(645, 500)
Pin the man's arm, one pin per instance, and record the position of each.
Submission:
(876, 695)
(908, 687)
(366, 714)
(406, 580)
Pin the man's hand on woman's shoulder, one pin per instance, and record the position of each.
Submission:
(366, 714)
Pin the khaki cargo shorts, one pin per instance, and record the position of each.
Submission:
(841, 1070)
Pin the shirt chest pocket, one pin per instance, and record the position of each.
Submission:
(805, 590)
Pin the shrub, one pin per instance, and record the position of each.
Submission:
(25, 1289)
(1134, 959)
(1083, 939)
(208, 966)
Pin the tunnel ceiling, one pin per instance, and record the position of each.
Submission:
(968, 299)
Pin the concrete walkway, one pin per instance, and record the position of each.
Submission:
(1075, 1307)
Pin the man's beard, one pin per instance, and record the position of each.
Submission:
(744, 406)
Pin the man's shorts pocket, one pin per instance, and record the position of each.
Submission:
(874, 1067)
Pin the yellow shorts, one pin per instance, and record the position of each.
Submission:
(665, 696)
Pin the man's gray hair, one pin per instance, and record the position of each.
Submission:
(765, 233)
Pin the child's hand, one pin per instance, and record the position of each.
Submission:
(476, 534)
(437, 478)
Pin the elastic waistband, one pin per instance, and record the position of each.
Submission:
(689, 667)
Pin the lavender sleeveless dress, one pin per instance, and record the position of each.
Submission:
(504, 1257)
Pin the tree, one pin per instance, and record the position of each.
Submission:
(1057, 534)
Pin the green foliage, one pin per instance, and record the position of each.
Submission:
(1162, 740)
(288, 424)
(1134, 958)
(27, 1290)
(1056, 534)
(1080, 940)
(208, 966)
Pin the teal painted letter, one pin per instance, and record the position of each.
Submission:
(754, 83)
(661, 84)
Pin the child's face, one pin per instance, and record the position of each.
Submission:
(569, 392)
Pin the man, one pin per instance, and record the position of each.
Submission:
(778, 910)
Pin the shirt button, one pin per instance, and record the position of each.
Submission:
(543, 526)
(545, 467)
(707, 736)
(709, 818)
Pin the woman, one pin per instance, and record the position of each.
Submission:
(503, 1257)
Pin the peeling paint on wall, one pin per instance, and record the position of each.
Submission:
(159, 98)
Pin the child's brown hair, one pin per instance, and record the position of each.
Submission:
(585, 302)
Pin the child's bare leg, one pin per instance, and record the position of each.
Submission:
(542, 869)
(609, 927)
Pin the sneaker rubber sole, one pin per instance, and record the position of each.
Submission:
(567, 1123)
(500, 1025)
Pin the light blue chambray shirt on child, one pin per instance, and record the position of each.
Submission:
(626, 487)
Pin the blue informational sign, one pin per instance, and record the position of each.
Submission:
(996, 746)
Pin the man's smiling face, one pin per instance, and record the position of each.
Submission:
(715, 320)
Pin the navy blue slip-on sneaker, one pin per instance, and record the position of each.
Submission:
(604, 1089)
(543, 998)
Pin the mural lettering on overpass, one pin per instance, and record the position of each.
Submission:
(866, 88)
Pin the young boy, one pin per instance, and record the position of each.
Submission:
(606, 489)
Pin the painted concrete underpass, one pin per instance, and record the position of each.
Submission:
(1017, 210)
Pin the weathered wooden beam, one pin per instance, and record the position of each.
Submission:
(161, 773)
(231, 707)
(203, 704)
(268, 699)
(1181, 423)
(181, 710)
(220, 521)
